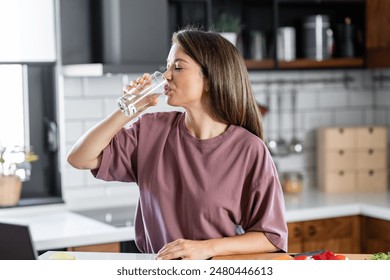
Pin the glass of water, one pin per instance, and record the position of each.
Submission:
(136, 99)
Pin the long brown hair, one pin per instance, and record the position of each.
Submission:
(231, 95)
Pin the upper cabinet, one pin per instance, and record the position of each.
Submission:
(27, 31)
(327, 34)
(109, 36)
(300, 34)
(378, 33)
(134, 36)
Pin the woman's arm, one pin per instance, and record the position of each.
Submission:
(86, 153)
(247, 243)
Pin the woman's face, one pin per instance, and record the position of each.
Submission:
(186, 84)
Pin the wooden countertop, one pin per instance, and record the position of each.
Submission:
(270, 256)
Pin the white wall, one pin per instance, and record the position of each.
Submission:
(362, 101)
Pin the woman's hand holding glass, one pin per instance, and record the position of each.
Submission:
(142, 93)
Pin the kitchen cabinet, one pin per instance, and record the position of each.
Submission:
(369, 19)
(111, 33)
(27, 30)
(114, 36)
(76, 18)
(352, 159)
(375, 235)
(336, 234)
(270, 15)
(378, 33)
(113, 247)
(107, 247)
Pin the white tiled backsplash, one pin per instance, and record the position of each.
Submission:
(323, 99)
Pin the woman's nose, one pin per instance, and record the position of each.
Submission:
(167, 74)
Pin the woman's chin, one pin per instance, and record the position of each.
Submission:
(170, 102)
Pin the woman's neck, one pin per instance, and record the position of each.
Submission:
(203, 126)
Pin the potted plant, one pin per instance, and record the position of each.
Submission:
(15, 168)
(229, 27)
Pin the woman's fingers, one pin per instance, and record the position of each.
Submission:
(171, 251)
(139, 82)
(184, 249)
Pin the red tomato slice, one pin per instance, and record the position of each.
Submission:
(327, 255)
(339, 257)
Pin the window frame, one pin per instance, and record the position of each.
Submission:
(42, 132)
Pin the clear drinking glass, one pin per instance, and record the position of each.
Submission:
(135, 99)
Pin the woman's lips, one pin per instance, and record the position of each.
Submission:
(166, 88)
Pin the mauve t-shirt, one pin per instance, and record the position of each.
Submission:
(192, 188)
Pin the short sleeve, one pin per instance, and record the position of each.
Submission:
(265, 211)
(119, 157)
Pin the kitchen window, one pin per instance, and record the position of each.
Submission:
(28, 118)
(28, 94)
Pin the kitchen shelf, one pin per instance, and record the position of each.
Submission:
(291, 13)
(328, 63)
(259, 64)
(305, 64)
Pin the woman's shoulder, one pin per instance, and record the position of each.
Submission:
(247, 138)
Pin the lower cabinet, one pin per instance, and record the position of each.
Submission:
(341, 235)
(375, 235)
(115, 247)
(107, 247)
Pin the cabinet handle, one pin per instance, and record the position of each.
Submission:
(297, 232)
(51, 136)
(312, 230)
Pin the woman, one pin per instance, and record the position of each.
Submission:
(208, 185)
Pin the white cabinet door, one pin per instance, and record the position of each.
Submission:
(27, 31)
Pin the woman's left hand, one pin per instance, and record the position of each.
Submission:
(186, 250)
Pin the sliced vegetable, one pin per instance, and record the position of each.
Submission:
(381, 256)
(339, 258)
(283, 257)
(327, 255)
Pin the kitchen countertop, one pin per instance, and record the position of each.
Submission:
(312, 205)
(56, 226)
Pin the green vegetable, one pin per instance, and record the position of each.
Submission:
(381, 256)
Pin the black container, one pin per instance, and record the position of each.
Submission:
(346, 39)
(317, 37)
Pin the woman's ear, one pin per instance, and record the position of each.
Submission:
(207, 86)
